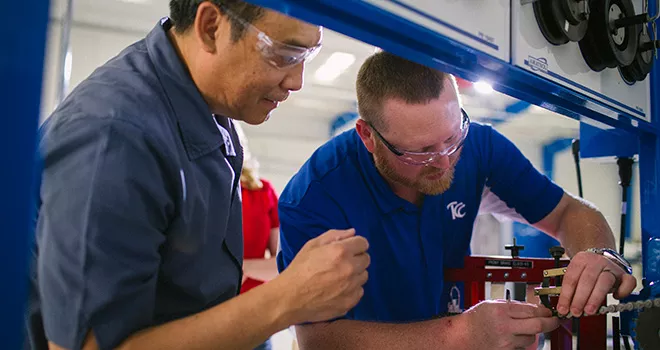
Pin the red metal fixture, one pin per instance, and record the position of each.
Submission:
(478, 270)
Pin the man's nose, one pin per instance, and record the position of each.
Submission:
(440, 162)
(293, 81)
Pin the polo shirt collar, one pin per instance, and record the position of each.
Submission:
(198, 130)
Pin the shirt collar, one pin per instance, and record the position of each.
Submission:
(225, 125)
(385, 198)
(199, 132)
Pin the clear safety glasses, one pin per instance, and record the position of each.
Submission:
(424, 158)
(278, 54)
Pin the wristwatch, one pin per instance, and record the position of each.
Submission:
(614, 256)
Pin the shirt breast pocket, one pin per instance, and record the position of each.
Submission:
(201, 256)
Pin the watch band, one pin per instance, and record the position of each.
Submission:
(614, 257)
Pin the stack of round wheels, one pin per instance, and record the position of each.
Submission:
(604, 46)
(591, 23)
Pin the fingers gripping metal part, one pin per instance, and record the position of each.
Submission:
(546, 291)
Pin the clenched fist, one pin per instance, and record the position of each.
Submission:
(327, 275)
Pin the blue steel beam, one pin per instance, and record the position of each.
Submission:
(21, 68)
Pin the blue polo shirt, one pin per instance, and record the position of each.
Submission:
(339, 187)
(139, 213)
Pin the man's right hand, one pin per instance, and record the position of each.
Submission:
(325, 278)
(506, 325)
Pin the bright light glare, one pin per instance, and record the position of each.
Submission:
(336, 64)
(483, 87)
(68, 65)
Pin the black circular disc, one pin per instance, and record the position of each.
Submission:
(574, 22)
(642, 63)
(546, 19)
(574, 10)
(592, 45)
(629, 74)
(569, 7)
(559, 21)
(624, 52)
(644, 59)
(591, 55)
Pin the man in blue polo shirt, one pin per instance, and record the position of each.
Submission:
(410, 178)
(138, 227)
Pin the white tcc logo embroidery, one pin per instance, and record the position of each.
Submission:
(456, 209)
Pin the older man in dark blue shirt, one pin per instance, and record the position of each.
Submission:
(139, 224)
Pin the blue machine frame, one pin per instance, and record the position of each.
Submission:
(21, 69)
(22, 60)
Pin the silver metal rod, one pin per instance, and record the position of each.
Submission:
(65, 53)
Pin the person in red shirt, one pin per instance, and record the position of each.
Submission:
(261, 229)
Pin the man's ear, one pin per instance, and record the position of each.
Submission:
(208, 21)
(366, 134)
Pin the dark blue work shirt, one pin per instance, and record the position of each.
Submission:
(339, 187)
(139, 213)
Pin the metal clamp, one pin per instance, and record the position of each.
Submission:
(547, 290)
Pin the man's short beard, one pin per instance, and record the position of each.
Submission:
(421, 184)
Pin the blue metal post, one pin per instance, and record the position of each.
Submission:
(21, 69)
(649, 167)
(649, 161)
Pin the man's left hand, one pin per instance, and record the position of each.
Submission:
(588, 279)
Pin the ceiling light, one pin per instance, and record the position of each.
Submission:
(483, 87)
(336, 64)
